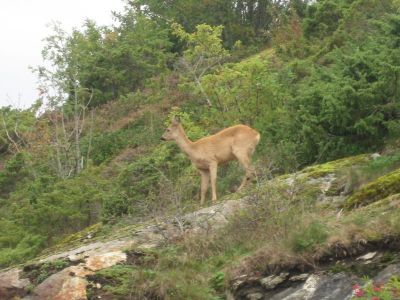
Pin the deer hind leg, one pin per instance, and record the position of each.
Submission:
(205, 181)
(244, 159)
(213, 176)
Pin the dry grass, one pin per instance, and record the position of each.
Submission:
(348, 235)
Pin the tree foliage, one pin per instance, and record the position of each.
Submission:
(248, 21)
(116, 61)
(204, 52)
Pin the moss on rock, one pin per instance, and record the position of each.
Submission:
(75, 238)
(381, 188)
(37, 273)
(115, 282)
(334, 166)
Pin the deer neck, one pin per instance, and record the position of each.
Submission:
(184, 143)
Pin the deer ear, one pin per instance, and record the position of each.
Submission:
(176, 120)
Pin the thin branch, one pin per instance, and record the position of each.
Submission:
(8, 134)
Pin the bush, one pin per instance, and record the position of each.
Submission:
(14, 172)
(46, 209)
(309, 237)
(116, 205)
(28, 247)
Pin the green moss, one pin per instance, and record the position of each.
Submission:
(284, 176)
(116, 283)
(75, 238)
(381, 188)
(121, 228)
(308, 192)
(334, 166)
(37, 273)
(384, 204)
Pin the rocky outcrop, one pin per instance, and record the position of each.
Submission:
(11, 285)
(317, 286)
(70, 282)
(326, 282)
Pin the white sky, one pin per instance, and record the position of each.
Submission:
(22, 29)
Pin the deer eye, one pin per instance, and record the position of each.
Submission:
(168, 129)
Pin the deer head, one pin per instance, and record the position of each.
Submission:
(172, 132)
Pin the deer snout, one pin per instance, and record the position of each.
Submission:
(163, 138)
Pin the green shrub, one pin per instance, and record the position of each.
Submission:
(218, 281)
(104, 146)
(14, 172)
(116, 205)
(309, 237)
(28, 247)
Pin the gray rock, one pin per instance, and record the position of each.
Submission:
(299, 277)
(375, 155)
(316, 287)
(69, 283)
(386, 273)
(295, 292)
(11, 285)
(299, 291)
(333, 287)
(272, 281)
(254, 296)
(367, 256)
(244, 281)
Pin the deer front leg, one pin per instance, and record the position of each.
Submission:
(249, 174)
(213, 176)
(244, 160)
(205, 180)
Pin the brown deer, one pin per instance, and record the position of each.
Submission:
(236, 142)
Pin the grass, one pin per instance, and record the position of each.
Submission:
(197, 267)
(309, 237)
(169, 277)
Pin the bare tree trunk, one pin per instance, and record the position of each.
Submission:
(203, 92)
(12, 141)
(60, 170)
(90, 134)
(78, 166)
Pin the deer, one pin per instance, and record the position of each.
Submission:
(206, 154)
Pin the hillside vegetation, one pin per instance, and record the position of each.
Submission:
(290, 225)
(320, 80)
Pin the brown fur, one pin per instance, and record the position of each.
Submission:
(236, 142)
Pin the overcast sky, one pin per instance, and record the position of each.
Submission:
(22, 29)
